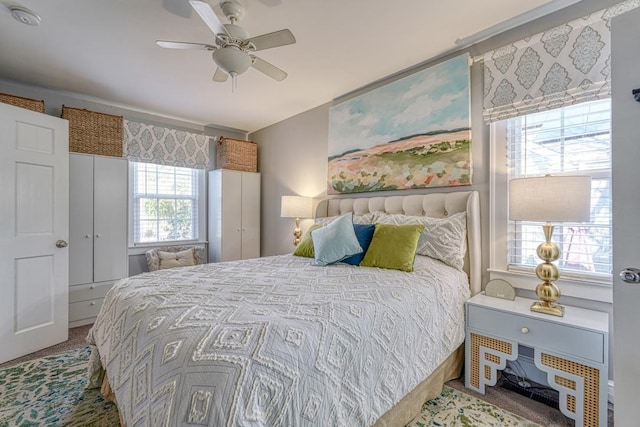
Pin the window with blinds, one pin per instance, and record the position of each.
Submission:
(165, 202)
(573, 140)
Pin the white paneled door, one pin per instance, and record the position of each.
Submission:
(34, 228)
(626, 215)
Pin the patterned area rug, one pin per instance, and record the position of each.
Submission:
(50, 392)
(454, 408)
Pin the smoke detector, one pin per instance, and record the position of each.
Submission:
(25, 16)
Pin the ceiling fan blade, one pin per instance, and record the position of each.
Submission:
(184, 45)
(208, 16)
(275, 39)
(268, 69)
(220, 76)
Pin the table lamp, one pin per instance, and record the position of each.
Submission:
(296, 207)
(549, 199)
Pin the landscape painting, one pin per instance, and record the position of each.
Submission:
(412, 133)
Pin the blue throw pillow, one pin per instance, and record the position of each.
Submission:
(336, 241)
(364, 233)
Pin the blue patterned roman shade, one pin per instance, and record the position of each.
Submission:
(155, 144)
(562, 66)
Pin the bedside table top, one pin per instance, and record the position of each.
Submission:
(573, 316)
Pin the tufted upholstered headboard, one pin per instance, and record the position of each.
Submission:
(436, 205)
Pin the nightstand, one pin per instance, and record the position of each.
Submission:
(572, 350)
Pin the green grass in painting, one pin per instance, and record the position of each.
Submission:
(402, 167)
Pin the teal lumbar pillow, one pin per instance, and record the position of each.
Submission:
(393, 247)
(335, 241)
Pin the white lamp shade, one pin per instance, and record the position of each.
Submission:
(550, 199)
(296, 207)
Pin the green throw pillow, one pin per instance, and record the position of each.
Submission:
(305, 247)
(393, 247)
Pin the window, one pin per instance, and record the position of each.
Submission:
(573, 140)
(167, 203)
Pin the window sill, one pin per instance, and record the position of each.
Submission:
(577, 288)
(144, 247)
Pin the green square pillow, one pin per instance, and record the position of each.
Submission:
(393, 247)
(305, 247)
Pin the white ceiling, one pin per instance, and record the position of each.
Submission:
(106, 49)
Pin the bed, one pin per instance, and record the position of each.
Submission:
(279, 341)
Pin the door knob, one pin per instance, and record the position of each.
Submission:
(630, 275)
(61, 244)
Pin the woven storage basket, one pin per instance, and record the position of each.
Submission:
(94, 133)
(237, 155)
(18, 101)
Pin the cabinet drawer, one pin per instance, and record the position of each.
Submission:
(79, 293)
(84, 309)
(548, 335)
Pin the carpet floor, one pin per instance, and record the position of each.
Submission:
(47, 388)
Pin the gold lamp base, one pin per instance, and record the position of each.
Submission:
(548, 308)
(297, 233)
(547, 291)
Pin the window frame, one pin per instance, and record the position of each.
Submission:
(202, 213)
(571, 284)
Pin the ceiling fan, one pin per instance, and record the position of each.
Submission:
(233, 49)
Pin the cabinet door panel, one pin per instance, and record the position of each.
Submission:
(231, 215)
(250, 215)
(80, 219)
(110, 219)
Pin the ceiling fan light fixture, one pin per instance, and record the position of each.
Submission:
(232, 60)
(233, 49)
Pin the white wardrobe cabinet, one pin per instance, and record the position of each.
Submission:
(234, 215)
(97, 232)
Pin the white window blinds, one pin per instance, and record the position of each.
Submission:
(165, 202)
(574, 140)
(562, 66)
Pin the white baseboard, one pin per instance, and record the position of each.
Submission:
(611, 394)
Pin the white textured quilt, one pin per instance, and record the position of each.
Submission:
(275, 341)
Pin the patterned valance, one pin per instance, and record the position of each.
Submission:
(565, 65)
(163, 146)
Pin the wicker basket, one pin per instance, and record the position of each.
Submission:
(94, 133)
(237, 155)
(18, 101)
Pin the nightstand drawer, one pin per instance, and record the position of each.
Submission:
(530, 332)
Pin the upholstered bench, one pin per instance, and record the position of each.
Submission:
(175, 256)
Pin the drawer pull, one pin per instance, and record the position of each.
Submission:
(92, 303)
(93, 286)
(524, 330)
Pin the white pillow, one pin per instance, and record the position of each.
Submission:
(444, 239)
(357, 219)
(335, 241)
(176, 259)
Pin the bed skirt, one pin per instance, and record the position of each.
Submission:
(411, 405)
(404, 411)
